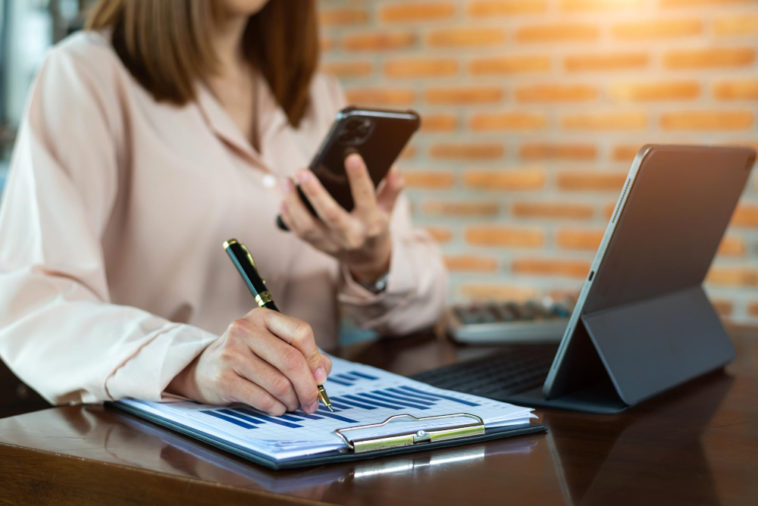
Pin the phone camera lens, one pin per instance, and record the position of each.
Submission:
(355, 131)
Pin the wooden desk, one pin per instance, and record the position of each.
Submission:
(695, 445)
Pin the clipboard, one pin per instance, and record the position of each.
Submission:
(394, 442)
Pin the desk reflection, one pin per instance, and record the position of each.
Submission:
(624, 463)
(653, 450)
(134, 442)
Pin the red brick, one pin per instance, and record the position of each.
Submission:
(472, 151)
(547, 267)
(742, 24)
(348, 69)
(476, 263)
(709, 57)
(746, 215)
(723, 307)
(606, 61)
(733, 276)
(421, 67)
(507, 121)
(499, 291)
(498, 235)
(506, 8)
(732, 246)
(556, 93)
(599, 5)
(380, 96)
(625, 153)
(508, 65)
(608, 210)
(604, 121)
(551, 210)
(446, 208)
(326, 44)
(513, 179)
(408, 152)
(677, 90)
(534, 151)
(466, 37)
(346, 16)
(417, 11)
(558, 32)
(440, 234)
(736, 90)
(699, 3)
(663, 28)
(753, 309)
(438, 123)
(378, 41)
(462, 95)
(707, 120)
(429, 179)
(572, 239)
(592, 181)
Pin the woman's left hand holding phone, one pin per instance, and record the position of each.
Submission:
(360, 238)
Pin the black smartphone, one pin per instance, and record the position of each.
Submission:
(378, 135)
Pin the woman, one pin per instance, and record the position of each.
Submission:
(149, 139)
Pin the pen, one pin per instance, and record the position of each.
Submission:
(243, 261)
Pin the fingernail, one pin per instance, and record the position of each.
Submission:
(353, 161)
(320, 375)
(313, 407)
(304, 176)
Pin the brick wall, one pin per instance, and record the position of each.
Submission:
(533, 110)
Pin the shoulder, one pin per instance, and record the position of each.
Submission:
(85, 54)
(81, 75)
(85, 45)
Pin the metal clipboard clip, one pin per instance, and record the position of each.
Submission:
(412, 437)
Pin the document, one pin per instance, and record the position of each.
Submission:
(361, 395)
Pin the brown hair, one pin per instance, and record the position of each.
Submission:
(166, 46)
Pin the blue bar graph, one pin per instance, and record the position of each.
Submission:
(350, 378)
(381, 395)
(227, 418)
(394, 398)
(446, 397)
(342, 400)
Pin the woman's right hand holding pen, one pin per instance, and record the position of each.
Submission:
(266, 359)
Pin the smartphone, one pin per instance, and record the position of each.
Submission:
(378, 135)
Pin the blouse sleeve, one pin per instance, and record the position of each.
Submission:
(59, 330)
(415, 292)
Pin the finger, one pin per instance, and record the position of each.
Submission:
(361, 185)
(330, 212)
(298, 219)
(242, 390)
(295, 207)
(299, 334)
(260, 373)
(326, 363)
(291, 363)
(389, 191)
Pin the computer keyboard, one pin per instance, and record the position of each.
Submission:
(517, 369)
(508, 322)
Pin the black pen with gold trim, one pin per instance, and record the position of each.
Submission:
(243, 261)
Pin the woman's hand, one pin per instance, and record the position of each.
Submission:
(266, 359)
(360, 239)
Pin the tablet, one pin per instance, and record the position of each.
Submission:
(643, 323)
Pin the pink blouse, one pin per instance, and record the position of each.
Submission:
(112, 272)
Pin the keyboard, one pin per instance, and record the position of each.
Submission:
(499, 376)
(507, 322)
